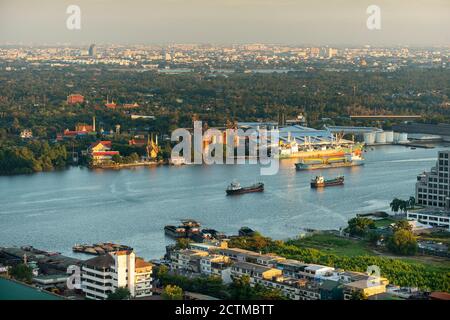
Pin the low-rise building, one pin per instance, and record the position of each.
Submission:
(101, 152)
(431, 217)
(254, 271)
(187, 260)
(367, 287)
(292, 288)
(241, 255)
(50, 281)
(214, 264)
(291, 268)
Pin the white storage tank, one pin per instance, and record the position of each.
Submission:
(389, 136)
(396, 137)
(369, 137)
(380, 137)
(403, 137)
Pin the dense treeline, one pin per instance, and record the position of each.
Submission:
(35, 156)
(34, 98)
(398, 272)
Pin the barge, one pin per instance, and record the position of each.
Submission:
(99, 248)
(235, 188)
(320, 182)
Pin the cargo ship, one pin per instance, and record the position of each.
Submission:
(346, 160)
(320, 182)
(235, 188)
(295, 150)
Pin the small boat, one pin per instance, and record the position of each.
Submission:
(236, 188)
(320, 181)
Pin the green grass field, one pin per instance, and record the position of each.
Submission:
(335, 245)
(383, 222)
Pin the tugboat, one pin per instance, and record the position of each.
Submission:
(235, 188)
(320, 181)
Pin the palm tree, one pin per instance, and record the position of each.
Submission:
(395, 205)
(404, 206)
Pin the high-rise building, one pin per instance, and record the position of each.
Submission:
(92, 50)
(332, 52)
(433, 187)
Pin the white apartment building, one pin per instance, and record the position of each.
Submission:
(433, 192)
(102, 275)
(430, 217)
(433, 187)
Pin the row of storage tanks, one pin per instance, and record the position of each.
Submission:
(385, 137)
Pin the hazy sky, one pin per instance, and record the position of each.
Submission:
(334, 22)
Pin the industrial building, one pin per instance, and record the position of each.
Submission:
(329, 135)
(372, 135)
(425, 131)
(297, 133)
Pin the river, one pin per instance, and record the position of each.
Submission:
(55, 210)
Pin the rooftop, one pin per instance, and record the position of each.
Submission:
(103, 261)
(251, 266)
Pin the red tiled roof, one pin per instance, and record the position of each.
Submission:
(105, 143)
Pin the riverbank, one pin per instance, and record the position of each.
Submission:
(128, 165)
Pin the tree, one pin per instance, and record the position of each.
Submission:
(172, 292)
(403, 242)
(373, 237)
(21, 272)
(402, 225)
(395, 205)
(240, 288)
(359, 226)
(119, 294)
(358, 295)
(116, 158)
(182, 243)
(162, 271)
(402, 205)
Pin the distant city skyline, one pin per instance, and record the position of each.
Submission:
(290, 22)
